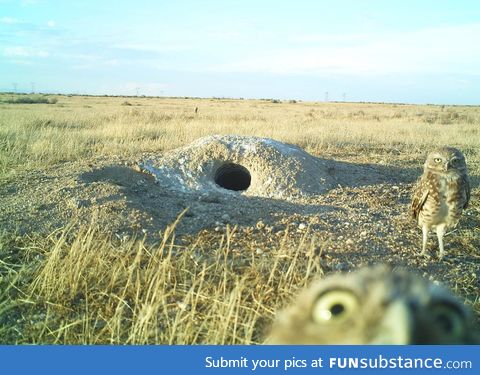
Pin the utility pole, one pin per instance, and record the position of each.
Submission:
(326, 96)
(138, 90)
(15, 85)
(33, 87)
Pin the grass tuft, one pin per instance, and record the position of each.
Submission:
(81, 286)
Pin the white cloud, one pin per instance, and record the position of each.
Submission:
(9, 20)
(130, 88)
(19, 51)
(26, 3)
(89, 61)
(21, 62)
(329, 38)
(222, 35)
(435, 50)
(154, 46)
(111, 62)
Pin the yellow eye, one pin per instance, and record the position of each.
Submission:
(437, 160)
(334, 306)
(448, 319)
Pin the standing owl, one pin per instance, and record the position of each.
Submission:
(441, 194)
(375, 305)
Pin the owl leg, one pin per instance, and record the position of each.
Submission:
(440, 234)
(425, 238)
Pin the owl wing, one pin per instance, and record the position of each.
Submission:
(420, 194)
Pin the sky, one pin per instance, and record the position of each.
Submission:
(366, 50)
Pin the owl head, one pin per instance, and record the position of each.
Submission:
(445, 160)
(375, 306)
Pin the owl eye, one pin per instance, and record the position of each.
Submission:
(334, 306)
(448, 319)
(437, 160)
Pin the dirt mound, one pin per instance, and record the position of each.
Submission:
(219, 180)
(254, 166)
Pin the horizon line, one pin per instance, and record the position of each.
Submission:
(272, 100)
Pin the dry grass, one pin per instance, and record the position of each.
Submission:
(88, 288)
(30, 135)
(81, 285)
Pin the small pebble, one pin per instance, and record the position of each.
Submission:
(226, 217)
(302, 226)
(260, 225)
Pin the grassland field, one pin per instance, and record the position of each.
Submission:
(86, 261)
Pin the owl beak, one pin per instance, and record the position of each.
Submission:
(396, 325)
(446, 167)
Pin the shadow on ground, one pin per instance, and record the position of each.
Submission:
(158, 206)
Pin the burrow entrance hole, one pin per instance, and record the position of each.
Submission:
(233, 177)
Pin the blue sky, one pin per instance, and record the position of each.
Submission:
(393, 51)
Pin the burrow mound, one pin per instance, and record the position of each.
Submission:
(250, 166)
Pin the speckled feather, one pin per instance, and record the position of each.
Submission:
(428, 196)
(441, 194)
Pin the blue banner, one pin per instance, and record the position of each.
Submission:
(208, 359)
